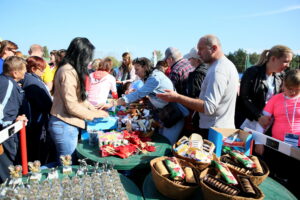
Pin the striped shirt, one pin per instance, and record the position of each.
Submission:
(179, 75)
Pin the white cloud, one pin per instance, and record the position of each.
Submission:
(274, 12)
(297, 52)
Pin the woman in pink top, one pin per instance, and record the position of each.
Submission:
(101, 83)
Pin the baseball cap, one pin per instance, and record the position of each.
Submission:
(192, 54)
(172, 51)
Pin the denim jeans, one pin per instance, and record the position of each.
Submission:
(64, 136)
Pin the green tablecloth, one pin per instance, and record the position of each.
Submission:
(133, 192)
(162, 145)
(271, 189)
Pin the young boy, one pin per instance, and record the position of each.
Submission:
(11, 99)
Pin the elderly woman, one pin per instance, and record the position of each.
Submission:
(40, 102)
(155, 81)
(260, 82)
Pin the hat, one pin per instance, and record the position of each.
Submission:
(192, 54)
(172, 51)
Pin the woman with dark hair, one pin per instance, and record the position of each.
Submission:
(70, 106)
(7, 48)
(125, 74)
(155, 81)
(40, 102)
(260, 82)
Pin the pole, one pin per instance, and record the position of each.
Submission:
(23, 150)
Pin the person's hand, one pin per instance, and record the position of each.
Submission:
(259, 149)
(129, 91)
(264, 121)
(100, 106)
(100, 114)
(168, 95)
(22, 118)
(121, 102)
(119, 82)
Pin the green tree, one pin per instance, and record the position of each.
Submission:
(295, 63)
(254, 58)
(238, 58)
(159, 55)
(116, 63)
(46, 52)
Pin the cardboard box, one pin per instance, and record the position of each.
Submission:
(217, 135)
(275, 144)
(99, 124)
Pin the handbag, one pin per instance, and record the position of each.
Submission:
(170, 114)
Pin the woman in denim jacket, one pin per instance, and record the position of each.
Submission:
(155, 81)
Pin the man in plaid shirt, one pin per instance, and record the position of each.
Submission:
(180, 69)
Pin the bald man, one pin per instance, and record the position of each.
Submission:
(216, 102)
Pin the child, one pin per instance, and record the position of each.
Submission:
(101, 83)
(287, 116)
(11, 99)
(285, 109)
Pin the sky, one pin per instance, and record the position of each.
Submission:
(141, 26)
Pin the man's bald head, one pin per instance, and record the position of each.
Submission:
(36, 50)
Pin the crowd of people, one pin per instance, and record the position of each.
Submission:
(191, 93)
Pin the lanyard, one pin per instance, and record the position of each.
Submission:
(287, 113)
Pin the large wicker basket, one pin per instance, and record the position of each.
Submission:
(199, 165)
(169, 188)
(257, 180)
(210, 193)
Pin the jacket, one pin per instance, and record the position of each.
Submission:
(253, 92)
(66, 103)
(12, 109)
(195, 80)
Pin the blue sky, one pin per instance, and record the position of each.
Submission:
(140, 26)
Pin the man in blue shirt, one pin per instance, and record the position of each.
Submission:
(11, 98)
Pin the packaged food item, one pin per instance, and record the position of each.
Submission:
(189, 175)
(240, 157)
(237, 166)
(258, 170)
(161, 169)
(182, 149)
(196, 141)
(225, 172)
(175, 170)
(183, 140)
(198, 155)
(247, 186)
(220, 186)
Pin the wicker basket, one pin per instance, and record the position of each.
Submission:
(257, 180)
(169, 188)
(199, 165)
(148, 134)
(210, 193)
